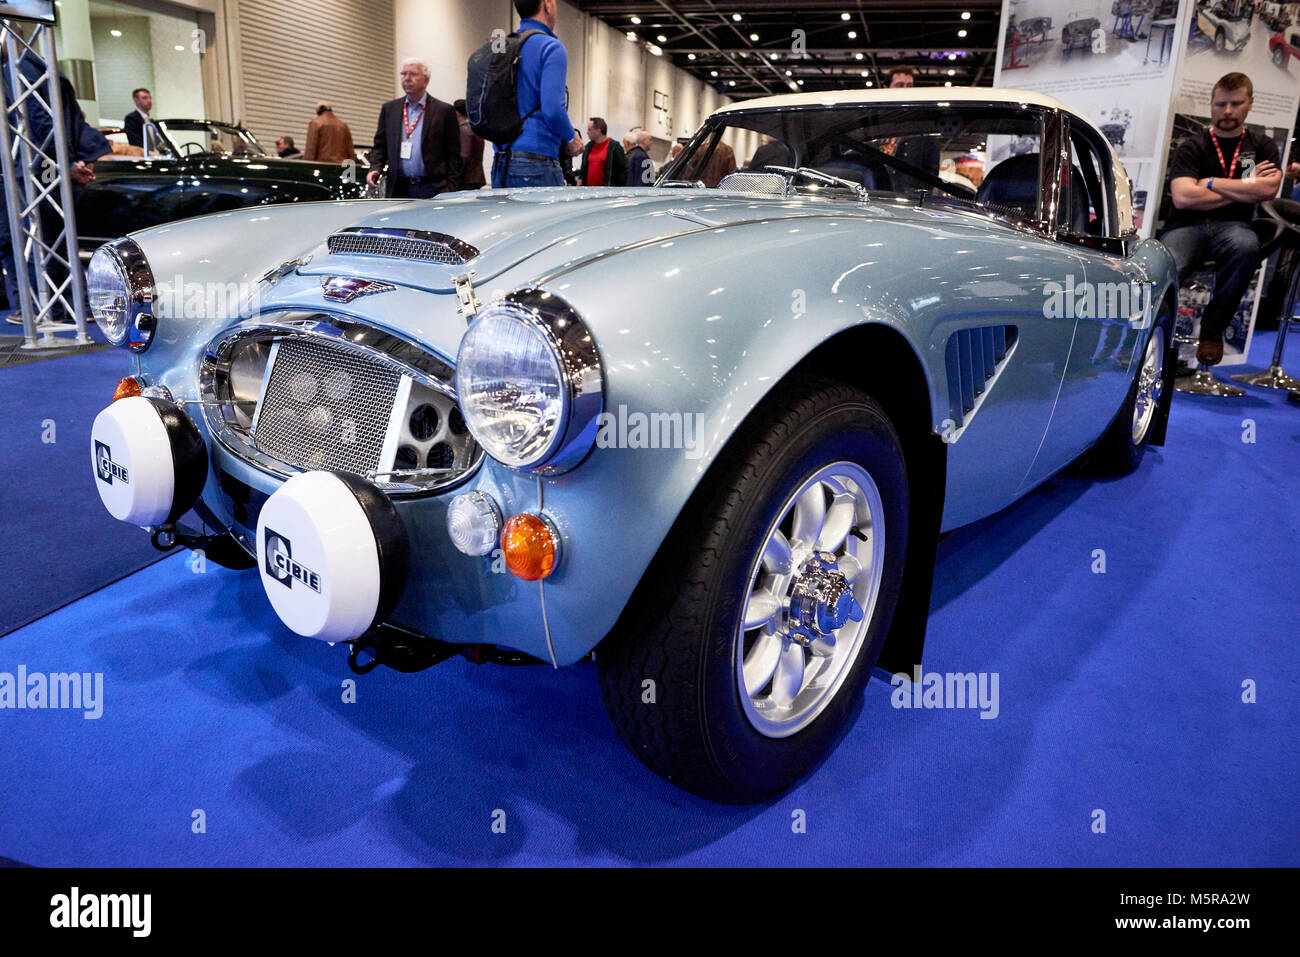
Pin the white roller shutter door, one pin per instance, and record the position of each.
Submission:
(293, 53)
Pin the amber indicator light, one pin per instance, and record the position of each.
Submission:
(529, 547)
(127, 388)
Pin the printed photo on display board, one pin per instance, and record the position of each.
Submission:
(1112, 63)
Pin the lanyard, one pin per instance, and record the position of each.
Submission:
(409, 128)
(1227, 170)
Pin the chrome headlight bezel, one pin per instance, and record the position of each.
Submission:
(581, 383)
(135, 330)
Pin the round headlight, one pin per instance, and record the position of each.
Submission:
(529, 383)
(120, 287)
(107, 292)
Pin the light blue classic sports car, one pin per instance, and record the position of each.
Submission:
(708, 436)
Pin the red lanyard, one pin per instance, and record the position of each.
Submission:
(410, 127)
(1227, 170)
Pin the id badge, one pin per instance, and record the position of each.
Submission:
(406, 149)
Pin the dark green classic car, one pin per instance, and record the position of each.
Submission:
(192, 167)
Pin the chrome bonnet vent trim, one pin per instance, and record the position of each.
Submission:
(295, 390)
(415, 244)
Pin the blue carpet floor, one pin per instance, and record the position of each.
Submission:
(1118, 692)
(58, 542)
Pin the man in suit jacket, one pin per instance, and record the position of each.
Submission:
(418, 140)
(133, 123)
(328, 138)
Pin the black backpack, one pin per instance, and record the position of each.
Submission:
(491, 95)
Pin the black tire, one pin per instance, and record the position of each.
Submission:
(1279, 56)
(681, 628)
(1220, 41)
(1117, 452)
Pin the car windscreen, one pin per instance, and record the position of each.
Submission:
(974, 153)
(191, 138)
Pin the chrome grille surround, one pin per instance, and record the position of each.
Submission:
(301, 425)
(417, 244)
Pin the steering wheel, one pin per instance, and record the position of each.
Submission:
(189, 148)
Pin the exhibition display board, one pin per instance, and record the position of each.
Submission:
(1142, 71)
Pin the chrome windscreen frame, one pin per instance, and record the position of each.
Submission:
(584, 378)
(404, 355)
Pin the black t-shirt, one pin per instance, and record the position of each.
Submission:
(1197, 158)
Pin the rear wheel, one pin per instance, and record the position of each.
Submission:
(745, 649)
(1220, 41)
(1120, 450)
(1279, 56)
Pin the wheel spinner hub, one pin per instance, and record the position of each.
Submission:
(821, 601)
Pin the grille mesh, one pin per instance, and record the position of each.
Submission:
(756, 184)
(394, 247)
(326, 407)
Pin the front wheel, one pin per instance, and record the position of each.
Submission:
(1220, 40)
(1279, 56)
(741, 656)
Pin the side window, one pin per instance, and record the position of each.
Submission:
(1087, 198)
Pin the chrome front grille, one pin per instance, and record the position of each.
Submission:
(413, 244)
(326, 407)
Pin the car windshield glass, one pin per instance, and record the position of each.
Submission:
(217, 138)
(973, 153)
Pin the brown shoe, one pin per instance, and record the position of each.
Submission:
(1209, 351)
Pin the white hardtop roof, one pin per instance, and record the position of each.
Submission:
(911, 94)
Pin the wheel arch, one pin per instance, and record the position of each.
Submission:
(881, 361)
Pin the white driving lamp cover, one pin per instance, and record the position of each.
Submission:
(132, 455)
(328, 555)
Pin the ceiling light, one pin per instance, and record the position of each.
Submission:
(859, 56)
(868, 83)
(713, 73)
(661, 38)
(844, 16)
(179, 48)
(731, 83)
(865, 74)
(754, 37)
(965, 15)
(736, 17)
(636, 20)
(788, 73)
(115, 33)
(776, 56)
(947, 82)
(800, 82)
(952, 72)
(656, 50)
(631, 35)
(952, 56)
(961, 33)
(690, 56)
(853, 34)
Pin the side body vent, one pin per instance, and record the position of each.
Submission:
(975, 357)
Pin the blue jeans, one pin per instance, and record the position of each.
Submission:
(525, 172)
(1234, 247)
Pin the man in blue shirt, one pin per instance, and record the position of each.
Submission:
(418, 140)
(532, 160)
